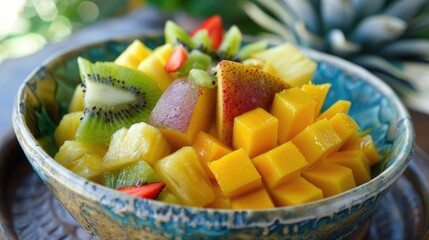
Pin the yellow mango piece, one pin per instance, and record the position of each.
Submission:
(220, 202)
(353, 143)
(295, 110)
(209, 149)
(331, 178)
(235, 174)
(133, 55)
(163, 52)
(317, 141)
(153, 67)
(66, 129)
(356, 161)
(370, 150)
(276, 169)
(255, 131)
(318, 93)
(296, 192)
(77, 103)
(340, 106)
(344, 126)
(202, 116)
(257, 199)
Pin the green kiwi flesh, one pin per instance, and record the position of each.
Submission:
(115, 97)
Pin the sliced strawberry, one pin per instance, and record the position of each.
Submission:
(214, 28)
(176, 59)
(148, 190)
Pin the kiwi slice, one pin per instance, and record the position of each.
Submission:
(115, 97)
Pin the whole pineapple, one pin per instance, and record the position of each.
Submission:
(388, 37)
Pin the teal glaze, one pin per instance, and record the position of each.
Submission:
(108, 214)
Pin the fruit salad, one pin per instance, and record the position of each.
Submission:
(207, 121)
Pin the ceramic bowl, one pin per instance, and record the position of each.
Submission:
(108, 214)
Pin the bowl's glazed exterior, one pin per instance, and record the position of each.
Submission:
(108, 214)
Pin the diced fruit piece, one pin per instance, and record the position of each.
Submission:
(255, 131)
(148, 190)
(370, 150)
(177, 59)
(133, 55)
(168, 197)
(295, 110)
(71, 151)
(242, 88)
(257, 199)
(108, 178)
(253, 62)
(331, 178)
(230, 43)
(353, 143)
(182, 111)
(269, 68)
(209, 149)
(235, 174)
(214, 27)
(115, 97)
(344, 126)
(356, 161)
(220, 202)
(202, 78)
(136, 173)
(67, 127)
(340, 106)
(175, 35)
(186, 178)
(317, 141)
(201, 40)
(318, 93)
(77, 102)
(252, 48)
(153, 67)
(196, 60)
(299, 191)
(88, 166)
(290, 63)
(279, 165)
(140, 142)
(163, 53)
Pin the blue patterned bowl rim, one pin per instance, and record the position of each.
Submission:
(47, 167)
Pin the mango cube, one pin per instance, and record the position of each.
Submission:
(235, 174)
(370, 150)
(154, 68)
(133, 55)
(257, 199)
(255, 131)
(209, 149)
(295, 110)
(340, 106)
(163, 52)
(331, 178)
(220, 202)
(344, 126)
(296, 192)
(279, 165)
(317, 141)
(318, 93)
(353, 143)
(356, 161)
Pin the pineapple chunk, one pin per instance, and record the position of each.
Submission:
(154, 68)
(140, 142)
(67, 127)
(133, 55)
(163, 53)
(291, 65)
(71, 151)
(77, 103)
(88, 166)
(185, 177)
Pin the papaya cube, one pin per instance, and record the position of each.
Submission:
(370, 150)
(257, 199)
(280, 164)
(331, 178)
(356, 161)
(235, 173)
(255, 131)
(318, 93)
(296, 192)
(295, 110)
(209, 148)
(317, 141)
(344, 126)
(133, 55)
(340, 106)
